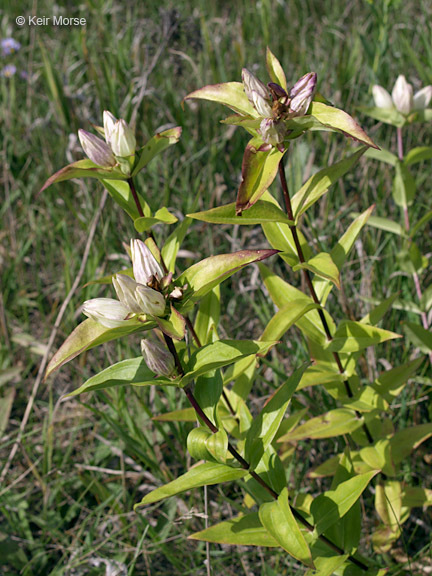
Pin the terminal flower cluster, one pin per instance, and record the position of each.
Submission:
(402, 97)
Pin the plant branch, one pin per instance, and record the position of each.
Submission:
(311, 288)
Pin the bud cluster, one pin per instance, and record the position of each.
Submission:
(275, 105)
(119, 142)
(402, 97)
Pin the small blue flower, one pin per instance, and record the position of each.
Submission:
(9, 46)
(8, 71)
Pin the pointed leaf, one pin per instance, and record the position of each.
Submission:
(286, 317)
(182, 415)
(143, 224)
(279, 521)
(275, 69)
(154, 146)
(416, 497)
(418, 154)
(262, 211)
(340, 121)
(386, 115)
(230, 93)
(404, 186)
(259, 169)
(82, 169)
(385, 224)
(419, 336)
(323, 266)
(333, 423)
(120, 192)
(354, 336)
(173, 243)
(205, 474)
(390, 383)
(382, 156)
(174, 326)
(407, 440)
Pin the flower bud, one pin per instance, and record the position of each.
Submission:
(257, 94)
(402, 95)
(422, 98)
(272, 132)
(149, 300)
(381, 97)
(125, 289)
(144, 263)
(302, 94)
(109, 122)
(107, 311)
(157, 357)
(122, 139)
(96, 149)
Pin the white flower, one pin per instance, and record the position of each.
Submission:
(381, 97)
(125, 289)
(157, 357)
(402, 97)
(272, 132)
(144, 263)
(109, 122)
(121, 139)
(151, 301)
(107, 311)
(257, 94)
(422, 98)
(96, 149)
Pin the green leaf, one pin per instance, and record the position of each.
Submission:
(419, 336)
(275, 70)
(340, 121)
(6, 402)
(286, 317)
(205, 474)
(174, 326)
(259, 169)
(416, 497)
(385, 224)
(279, 521)
(329, 425)
(182, 415)
(407, 440)
(382, 156)
(154, 146)
(404, 186)
(205, 445)
(390, 383)
(132, 372)
(207, 318)
(82, 169)
(144, 223)
(388, 116)
(410, 259)
(323, 266)
(221, 353)
(377, 313)
(265, 426)
(418, 154)
(319, 183)
(230, 93)
(173, 243)
(419, 225)
(262, 211)
(329, 507)
(205, 275)
(366, 400)
(208, 390)
(388, 502)
(120, 192)
(354, 336)
(326, 565)
(89, 334)
(239, 531)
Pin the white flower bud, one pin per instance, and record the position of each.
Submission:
(402, 95)
(381, 97)
(157, 357)
(107, 311)
(302, 94)
(149, 300)
(257, 94)
(125, 289)
(272, 132)
(144, 263)
(96, 149)
(122, 139)
(422, 98)
(109, 121)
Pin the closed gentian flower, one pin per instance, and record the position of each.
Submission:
(125, 289)
(422, 98)
(96, 149)
(109, 121)
(257, 93)
(272, 131)
(9, 46)
(122, 139)
(402, 95)
(144, 263)
(157, 357)
(302, 94)
(107, 311)
(381, 97)
(151, 301)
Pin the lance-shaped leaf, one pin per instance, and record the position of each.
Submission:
(173, 242)
(333, 423)
(154, 146)
(382, 156)
(89, 334)
(205, 275)
(418, 154)
(182, 415)
(386, 115)
(319, 183)
(286, 317)
(202, 475)
(243, 530)
(144, 223)
(262, 211)
(407, 440)
(265, 426)
(174, 326)
(230, 94)
(390, 383)
(323, 266)
(83, 169)
(259, 169)
(279, 521)
(354, 336)
(221, 353)
(419, 336)
(388, 502)
(416, 496)
(329, 507)
(340, 121)
(275, 69)
(404, 186)
(120, 192)
(132, 372)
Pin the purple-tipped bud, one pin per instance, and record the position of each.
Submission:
(122, 139)
(257, 94)
(422, 98)
(125, 289)
(277, 90)
(144, 263)
(302, 94)
(272, 132)
(149, 300)
(157, 357)
(402, 95)
(107, 311)
(96, 149)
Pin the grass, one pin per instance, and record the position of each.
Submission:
(66, 503)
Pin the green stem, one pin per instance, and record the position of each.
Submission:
(312, 291)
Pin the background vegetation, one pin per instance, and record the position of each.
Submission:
(66, 500)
